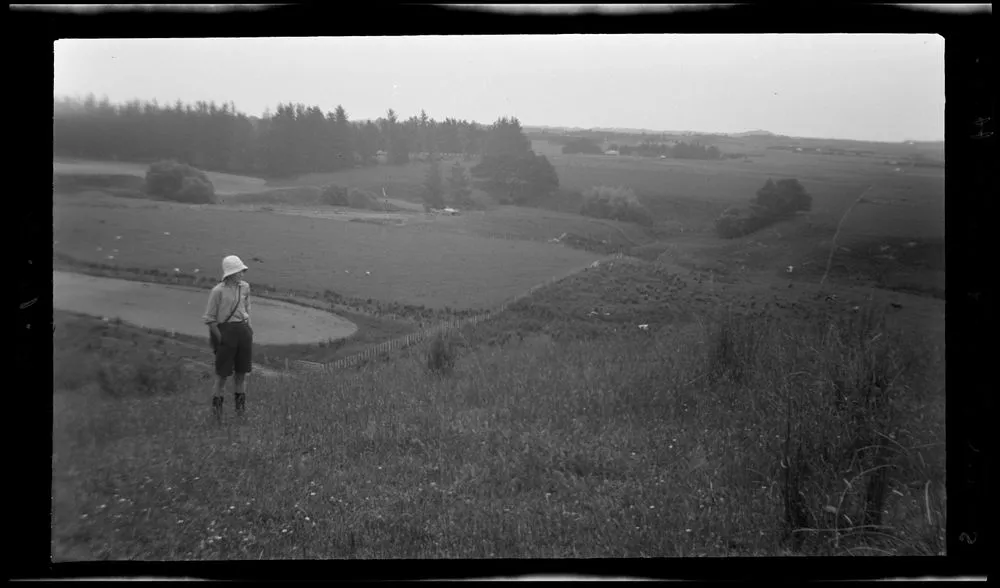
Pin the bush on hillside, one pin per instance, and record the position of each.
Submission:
(737, 221)
(334, 195)
(616, 204)
(363, 200)
(522, 179)
(180, 182)
(431, 200)
(774, 202)
(783, 198)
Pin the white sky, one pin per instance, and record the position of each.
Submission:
(871, 87)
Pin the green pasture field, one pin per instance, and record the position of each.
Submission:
(400, 181)
(909, 203)
(432, 268)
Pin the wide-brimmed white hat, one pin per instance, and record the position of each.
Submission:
(232, 264)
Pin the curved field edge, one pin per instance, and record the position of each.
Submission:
(178, 309)
(372, 328)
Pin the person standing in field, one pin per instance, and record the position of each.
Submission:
(230, 333)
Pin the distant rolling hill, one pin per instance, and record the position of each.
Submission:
(757, 133)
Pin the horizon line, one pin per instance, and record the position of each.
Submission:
(623, 129)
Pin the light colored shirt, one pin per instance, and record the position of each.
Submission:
(221, 301)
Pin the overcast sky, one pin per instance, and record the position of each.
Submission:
(873, 87)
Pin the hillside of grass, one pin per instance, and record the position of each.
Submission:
(740, 432)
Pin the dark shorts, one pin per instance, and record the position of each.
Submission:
(234, 350)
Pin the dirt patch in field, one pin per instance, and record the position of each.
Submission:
(179, 309)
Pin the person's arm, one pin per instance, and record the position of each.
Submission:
(248, 307)
(211, 315)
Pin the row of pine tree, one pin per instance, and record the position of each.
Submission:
(292, 140)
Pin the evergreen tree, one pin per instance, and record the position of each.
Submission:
(505, 137)
(367, 141)
(425, 136)
(395, 138)
(342, 139)
(290, 139)
(459, 185)
(433, 189)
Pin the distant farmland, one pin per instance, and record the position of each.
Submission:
(908, 203)
(421, 267)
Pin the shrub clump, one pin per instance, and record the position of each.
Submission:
(334, 195)
(616, 204)
(774, 202)
(362, 200)
(737, 221)
(180, 182)
(441, 354)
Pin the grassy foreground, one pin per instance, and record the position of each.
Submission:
(747, 436)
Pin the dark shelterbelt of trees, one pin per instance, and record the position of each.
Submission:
(679, 150)
(292, 140)
(582, 145)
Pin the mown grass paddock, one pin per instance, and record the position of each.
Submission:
(432, 268)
